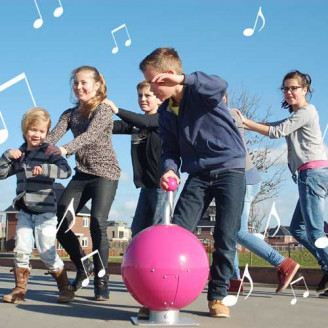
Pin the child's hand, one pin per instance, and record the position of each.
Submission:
(37, 170)
(168, 80)
(240, 114)
(15, 153)
(111, 105)
(164, 179)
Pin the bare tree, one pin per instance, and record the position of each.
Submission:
(260, 149)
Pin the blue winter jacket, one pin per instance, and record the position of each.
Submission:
(203, 135)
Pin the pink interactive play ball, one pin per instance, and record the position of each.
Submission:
(172, 184)
(165, 267)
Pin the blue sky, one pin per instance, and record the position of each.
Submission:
(208, 34)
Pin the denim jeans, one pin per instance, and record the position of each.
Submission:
(228, 189)
(82, 188)
(308, 219)
(149, 209)
(29, 230)
(248, 240)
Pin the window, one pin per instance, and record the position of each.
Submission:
(59, 246)
(113, 234)
(212, 217)
(121, 234)
(199, 231)
(212, 231)
(85, 222)
(84, 242)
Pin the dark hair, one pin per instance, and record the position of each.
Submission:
(87, 109)
(304, 80)
(162, 59)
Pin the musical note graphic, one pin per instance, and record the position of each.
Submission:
(101, 273)
(250, 31)
(324, 134)
(59, 10)
(50, 231)
(39, 21)
(274, 213)
(321, 242)
(305, 294)
(13, 81)
(231, 300)
(127, 42)
(3, 131)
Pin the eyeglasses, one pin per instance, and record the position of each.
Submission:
(292, 88)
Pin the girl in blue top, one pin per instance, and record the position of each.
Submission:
(307, 157)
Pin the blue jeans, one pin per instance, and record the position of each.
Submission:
(84, 187)
(149, 209)
(228, 189)
(308, 218)
(29, 230)
(251, 242)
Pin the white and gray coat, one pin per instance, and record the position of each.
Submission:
(37, 192)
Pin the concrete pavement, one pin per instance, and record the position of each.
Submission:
(262, 309)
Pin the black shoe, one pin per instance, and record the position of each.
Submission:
(101, 288)
(324, 295)
(80, 275)
(323, 284)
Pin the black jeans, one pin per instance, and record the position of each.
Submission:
(82, 188)
(228, 189)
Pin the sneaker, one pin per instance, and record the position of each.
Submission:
(324, 295)
(234, 286)
(218, 310)
(143, 313)
(286, 272)
(323, 284)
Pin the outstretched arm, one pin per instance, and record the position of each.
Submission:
(254, 126)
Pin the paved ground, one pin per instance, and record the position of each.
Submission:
(262, 309)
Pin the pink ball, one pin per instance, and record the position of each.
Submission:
(172, 184)
(165, 267)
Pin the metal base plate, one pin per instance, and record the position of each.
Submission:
(180, 322)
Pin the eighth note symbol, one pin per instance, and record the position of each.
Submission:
(305, 294)
(127, 42)
(100, 273)
(250, 31)
(4, 131)
(231, 300)
(39, 21)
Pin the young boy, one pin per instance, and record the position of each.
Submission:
(36, 202)
(145, 154)
(196, 127)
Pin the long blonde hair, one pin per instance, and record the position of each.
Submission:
(86, 109)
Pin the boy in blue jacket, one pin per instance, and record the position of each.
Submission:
(198, 134)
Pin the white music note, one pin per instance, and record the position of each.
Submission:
(231, 300)
(274, 213)
(39, 21)
(127, 42)
(3, 131)
(250, 31)
(16, 79)
(305, 294)
(59, 10)
(100, 274)
(321, 242)
(324, 134)
(50, 231)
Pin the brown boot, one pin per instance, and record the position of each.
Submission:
(18, 293)
(285, 273)
(65, 295)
